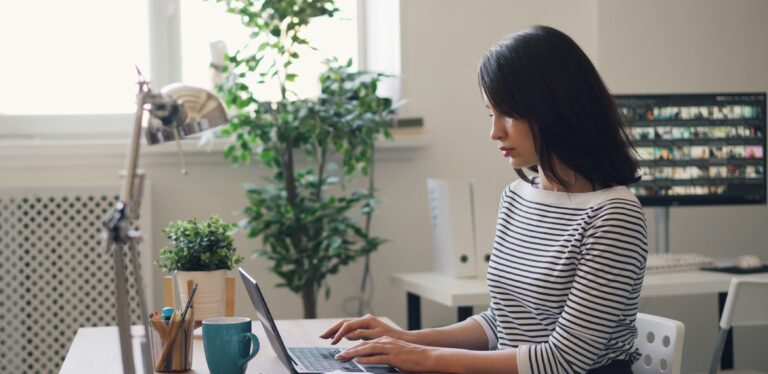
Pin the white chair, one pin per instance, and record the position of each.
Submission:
(660, 341)
(746, 305)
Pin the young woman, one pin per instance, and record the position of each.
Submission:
(570, 248)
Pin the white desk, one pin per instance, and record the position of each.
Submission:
(463, 293)
(97, 349)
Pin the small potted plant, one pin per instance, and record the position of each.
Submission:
(201, 252)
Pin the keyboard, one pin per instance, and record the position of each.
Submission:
(322, 360)
(661, 263)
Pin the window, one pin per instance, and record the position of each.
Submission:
(71, 57)
(206, 22)
(69, 69)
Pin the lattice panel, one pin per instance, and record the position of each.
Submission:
(55, 275)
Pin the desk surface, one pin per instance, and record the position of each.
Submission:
(457, 292)
(97, 350)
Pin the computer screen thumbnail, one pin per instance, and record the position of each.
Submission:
(698, 148)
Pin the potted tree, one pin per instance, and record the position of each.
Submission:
(310, 224)
(201, 252)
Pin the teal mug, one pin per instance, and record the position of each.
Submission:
(227, 342)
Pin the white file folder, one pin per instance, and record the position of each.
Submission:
(451, 204)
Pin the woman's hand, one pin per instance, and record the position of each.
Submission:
(365, 328)
(394, 352)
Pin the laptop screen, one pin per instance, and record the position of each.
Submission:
(257, 298)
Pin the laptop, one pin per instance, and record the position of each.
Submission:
(304, 360)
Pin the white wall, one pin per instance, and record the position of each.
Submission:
(649, 46)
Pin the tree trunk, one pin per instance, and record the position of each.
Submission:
(309, 297)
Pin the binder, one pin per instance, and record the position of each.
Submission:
(451, 204)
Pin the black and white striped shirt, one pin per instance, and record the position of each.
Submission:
(564, 277)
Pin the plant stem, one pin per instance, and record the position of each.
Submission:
(321, 171)
(286, 159)
(309, 299)
(287, 151)
(368, 216)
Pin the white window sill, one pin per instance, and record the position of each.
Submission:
(24, 152)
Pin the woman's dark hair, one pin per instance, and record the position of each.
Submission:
(541, 76)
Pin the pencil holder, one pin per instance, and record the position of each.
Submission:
(171, 343)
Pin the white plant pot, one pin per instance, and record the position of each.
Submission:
(211, 292)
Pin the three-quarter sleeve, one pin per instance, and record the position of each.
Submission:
(487, 320)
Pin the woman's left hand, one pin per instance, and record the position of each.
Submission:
(394, 352)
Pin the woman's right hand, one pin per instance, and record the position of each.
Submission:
(366, 328)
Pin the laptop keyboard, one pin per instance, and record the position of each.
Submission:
(322, 360)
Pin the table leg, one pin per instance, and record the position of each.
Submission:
(726, 360)
(414, 311)
(465, 312)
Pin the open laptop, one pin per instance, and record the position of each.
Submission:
(302, 360)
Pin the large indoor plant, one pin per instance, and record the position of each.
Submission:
(201, 252)
(309, 222)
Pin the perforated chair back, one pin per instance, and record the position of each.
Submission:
(660, 341)
(746, 305)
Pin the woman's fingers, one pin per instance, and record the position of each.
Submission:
(361, 334)
(348, 327)
(366, 327)
(332, 331)
(373, 360)
(363, 349)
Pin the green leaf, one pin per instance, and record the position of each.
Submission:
(198, 246)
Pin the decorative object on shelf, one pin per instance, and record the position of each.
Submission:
(201, 252)
(310, 223)
(176, 111)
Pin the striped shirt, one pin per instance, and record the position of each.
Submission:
(565, 276)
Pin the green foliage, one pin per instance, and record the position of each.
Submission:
(305, 218)
(199, 246)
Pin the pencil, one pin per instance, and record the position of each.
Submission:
(176, 321)
(168, 342)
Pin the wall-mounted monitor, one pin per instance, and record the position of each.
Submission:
(698, 149)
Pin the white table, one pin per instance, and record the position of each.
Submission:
(463, 293)
(97, 349)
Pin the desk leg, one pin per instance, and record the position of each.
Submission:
(414, 311)
(465, 312)
(726, 360)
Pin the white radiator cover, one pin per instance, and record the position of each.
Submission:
(55, 275)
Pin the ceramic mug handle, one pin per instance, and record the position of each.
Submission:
(254, 349)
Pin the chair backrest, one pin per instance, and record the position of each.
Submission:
(229, 309)
(660, 341)
(746, 304)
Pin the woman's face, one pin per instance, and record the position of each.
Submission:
(514, 137)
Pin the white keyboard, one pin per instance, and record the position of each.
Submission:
(660, 263)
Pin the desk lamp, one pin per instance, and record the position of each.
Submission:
(174, 113)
